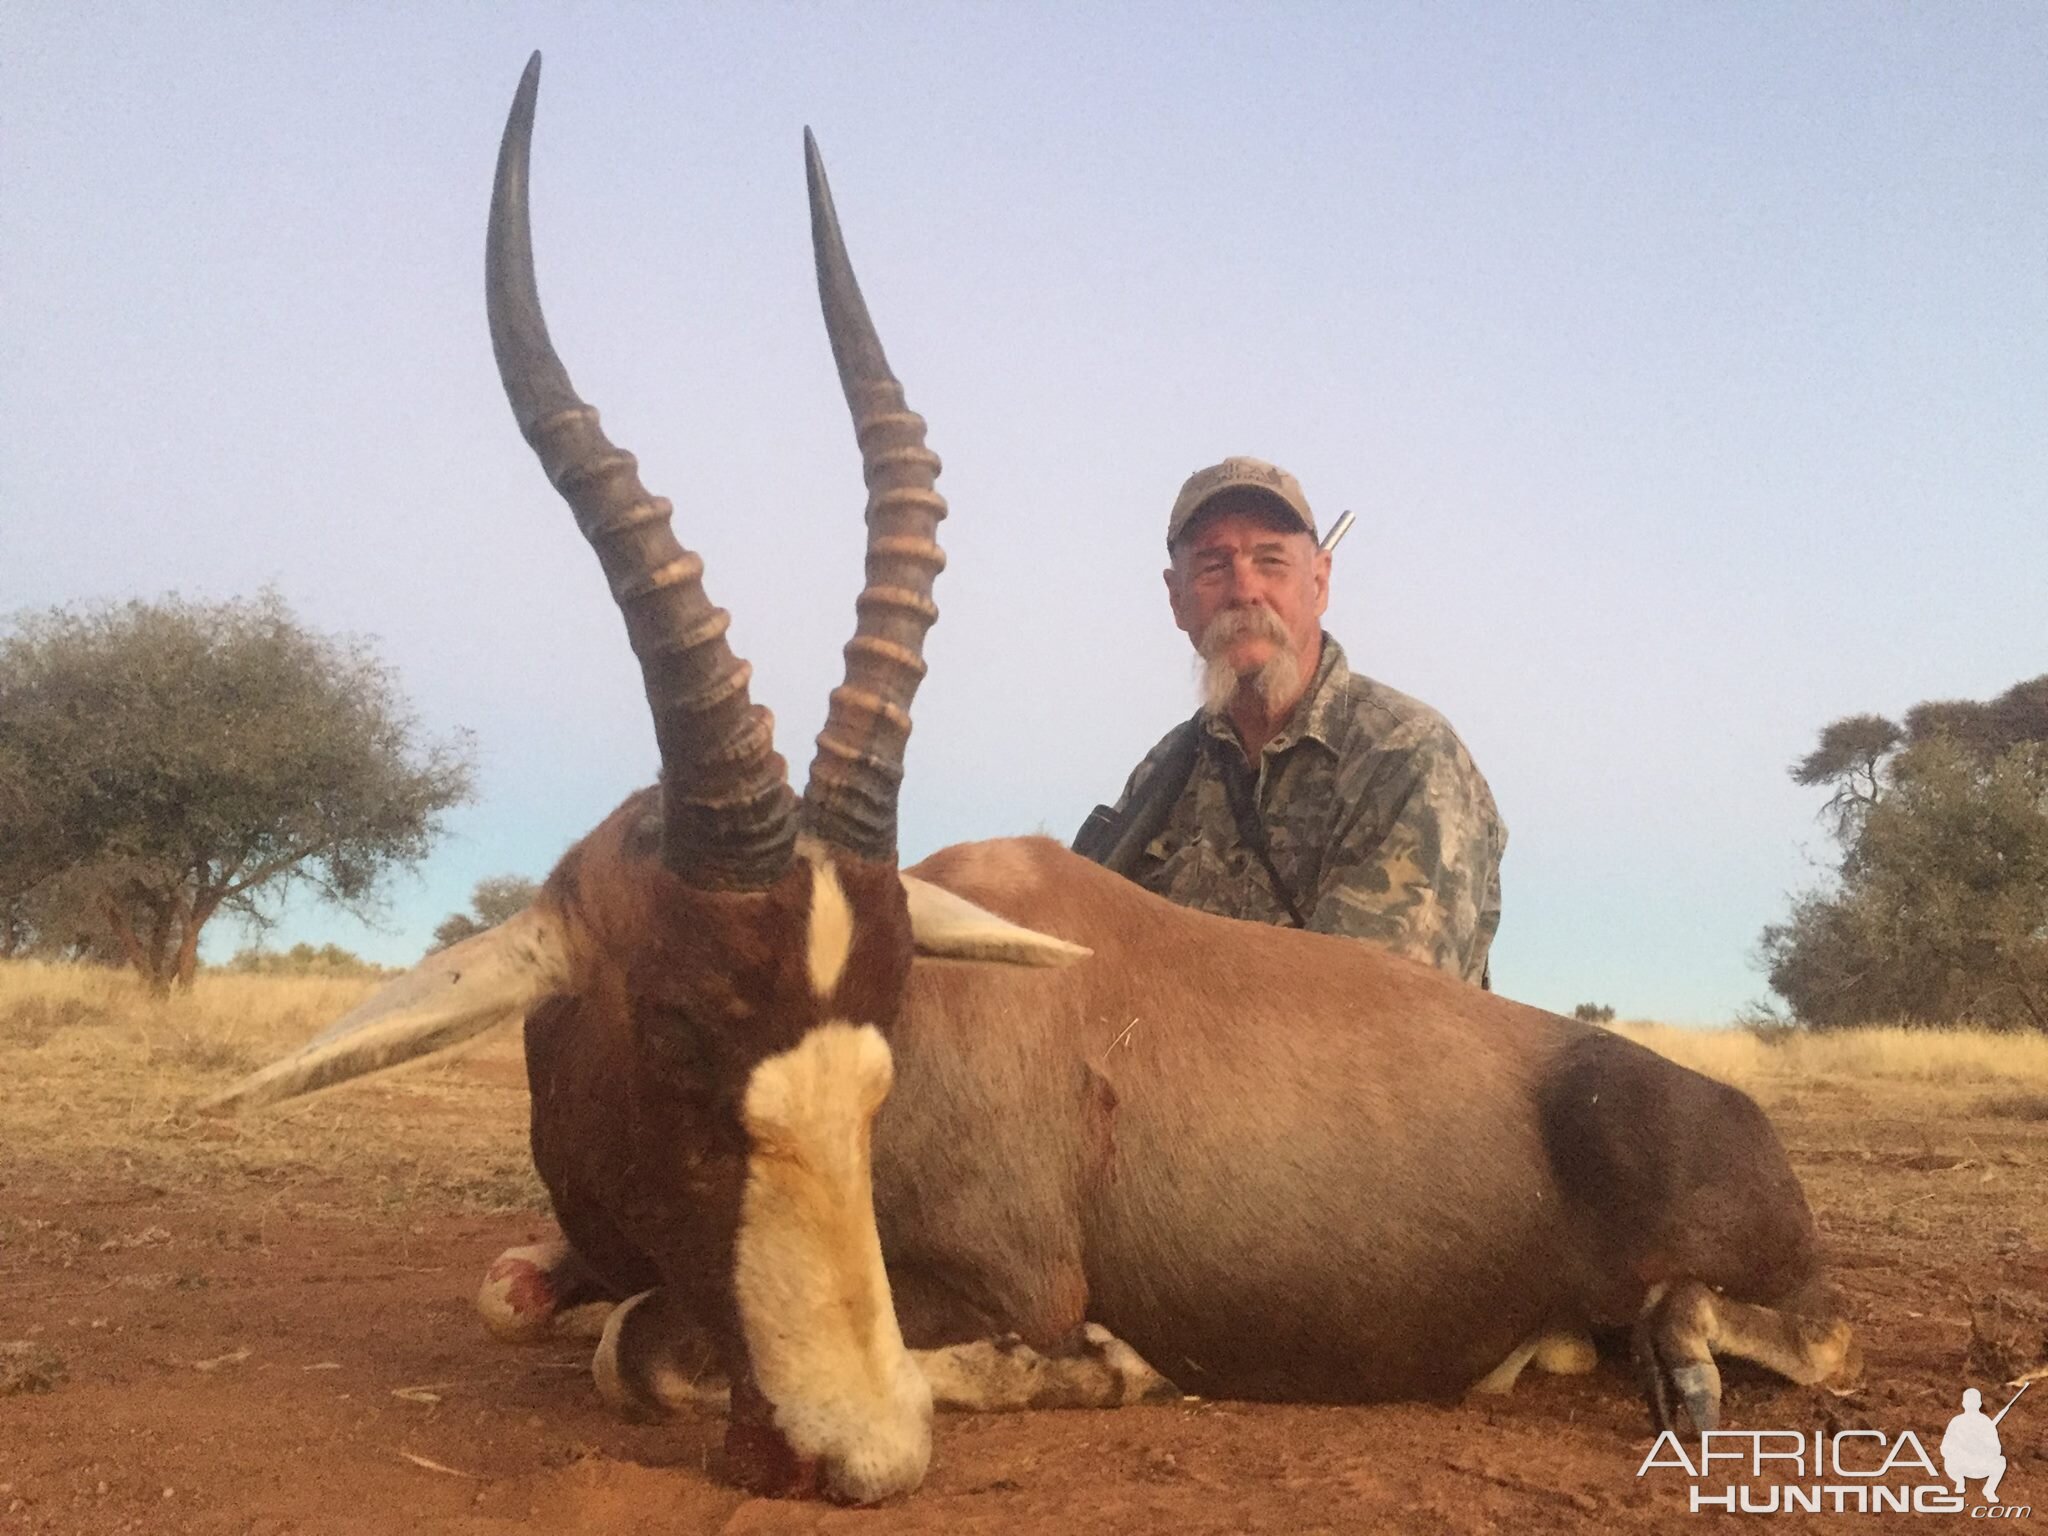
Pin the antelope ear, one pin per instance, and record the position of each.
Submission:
(446, 999)
(955, 928)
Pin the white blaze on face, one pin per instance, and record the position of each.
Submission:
(813, 1297)
(830, 937)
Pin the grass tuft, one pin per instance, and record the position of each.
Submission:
(2015, 1106)
(26, 1366)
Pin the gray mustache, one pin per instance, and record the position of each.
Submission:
(1235, 624)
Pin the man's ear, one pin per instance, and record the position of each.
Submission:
(1322, 579)
(1172, 575)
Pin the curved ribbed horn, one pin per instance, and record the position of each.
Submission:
(728, 819)
(851, 798)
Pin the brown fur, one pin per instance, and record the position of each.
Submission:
(638, 1066)
(1278, 1164)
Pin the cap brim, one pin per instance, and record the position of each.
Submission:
(1264, 493)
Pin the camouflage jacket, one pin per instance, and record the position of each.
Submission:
(1375, 815)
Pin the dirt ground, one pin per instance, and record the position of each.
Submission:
(265, 1328)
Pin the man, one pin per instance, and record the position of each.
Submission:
(1301, 793)
(1970, 1448)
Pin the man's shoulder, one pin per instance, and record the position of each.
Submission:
(1172, 743)
(1167, 744)
(1394, 739)
(1387, 718)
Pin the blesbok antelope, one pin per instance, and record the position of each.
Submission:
(1277, 1164)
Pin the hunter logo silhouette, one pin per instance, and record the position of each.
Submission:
(1970, 1448)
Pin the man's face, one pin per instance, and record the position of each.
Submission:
(1246, 554)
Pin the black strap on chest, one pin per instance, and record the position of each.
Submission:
(1251, 828)
(1118, 842)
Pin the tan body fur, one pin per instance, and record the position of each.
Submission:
(1285, 1165)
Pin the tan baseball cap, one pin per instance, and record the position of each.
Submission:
(1238, 474)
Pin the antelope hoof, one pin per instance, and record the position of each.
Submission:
(1699, 1389)
(1845, 1351)
(1137, 1381)
(1651, 1377)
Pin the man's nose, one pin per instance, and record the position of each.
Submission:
(1244, 585)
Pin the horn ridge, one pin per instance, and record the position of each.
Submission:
(728, 817)
(850, 800)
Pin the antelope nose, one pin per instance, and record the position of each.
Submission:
(883, 1453)
(869, 1474)
(889, 1452)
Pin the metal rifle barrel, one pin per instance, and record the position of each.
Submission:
(2015, 1398)
(1337, 531)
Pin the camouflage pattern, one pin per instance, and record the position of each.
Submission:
(1375, 813)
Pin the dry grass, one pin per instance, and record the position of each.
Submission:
(97, 1071)
(238, 1021)
(1941, 1058)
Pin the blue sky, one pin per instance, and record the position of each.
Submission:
(1687, 368)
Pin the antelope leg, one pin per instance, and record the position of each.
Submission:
(1097, 1370)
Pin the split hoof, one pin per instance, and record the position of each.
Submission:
(1137, 1381)
(1699, 1391)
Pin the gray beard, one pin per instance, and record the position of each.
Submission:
(1276, 684)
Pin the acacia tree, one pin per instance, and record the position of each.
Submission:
(1939, 912)
(495, 899)
(171, 759)
(1850, 758)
